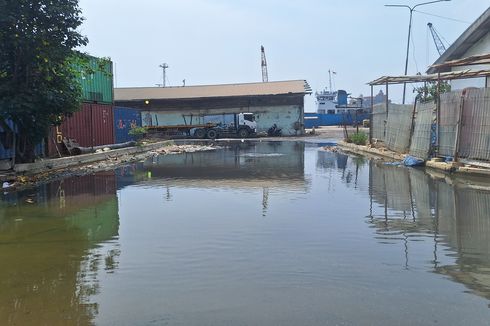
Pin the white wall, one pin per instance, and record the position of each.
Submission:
(481, 47)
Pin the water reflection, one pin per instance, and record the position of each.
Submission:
(350, 168)
(408, 205)
(268, 166)
(197, 249)
(51, 253)
(253, 165)
(247, 164)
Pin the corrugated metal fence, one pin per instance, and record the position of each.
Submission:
(475, 125)
(395, 129)
(424, 128)
(398, 127)
(379, 121)
(405, 132)
(450, 103)
(474, 136)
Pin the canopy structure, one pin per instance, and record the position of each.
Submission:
(481, 59)
(450, 75)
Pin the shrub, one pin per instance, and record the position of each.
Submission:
(359, 138)
(138, 131)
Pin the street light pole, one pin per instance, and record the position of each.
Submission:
(409, 34)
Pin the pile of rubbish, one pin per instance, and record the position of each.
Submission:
(178, 149)
(24, 181)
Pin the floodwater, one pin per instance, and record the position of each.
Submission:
(273, 233)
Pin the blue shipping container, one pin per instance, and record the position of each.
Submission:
(124, 120)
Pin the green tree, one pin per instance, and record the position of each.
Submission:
(428, 92)
(38, 60)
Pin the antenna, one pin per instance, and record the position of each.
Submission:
(330, 73)
(164, 67)
(265, 77)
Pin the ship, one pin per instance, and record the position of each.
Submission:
(334, 108)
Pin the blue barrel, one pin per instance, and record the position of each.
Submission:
(124, 120)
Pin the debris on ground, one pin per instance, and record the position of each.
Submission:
(25, 181)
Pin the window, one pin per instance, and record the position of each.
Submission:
(249, 117)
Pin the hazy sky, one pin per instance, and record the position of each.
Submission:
(218, 41)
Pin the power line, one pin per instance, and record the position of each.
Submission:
(427, 46)
(448, 18)
(413, 56)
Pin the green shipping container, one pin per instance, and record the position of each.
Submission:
(97, 87)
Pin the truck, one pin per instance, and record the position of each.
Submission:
(242, 125)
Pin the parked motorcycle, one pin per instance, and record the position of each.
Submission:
(274, 131)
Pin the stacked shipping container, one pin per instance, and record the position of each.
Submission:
(97, 87)
(93, 125)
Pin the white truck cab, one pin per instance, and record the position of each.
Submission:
(247, 119)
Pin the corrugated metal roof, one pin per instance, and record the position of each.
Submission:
(207, 91)
(478, 29)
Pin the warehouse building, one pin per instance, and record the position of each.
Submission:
(280, 103)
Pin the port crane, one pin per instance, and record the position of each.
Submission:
(265, 77)
(437, 40)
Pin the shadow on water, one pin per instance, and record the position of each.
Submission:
(50, 250)
(407, 205)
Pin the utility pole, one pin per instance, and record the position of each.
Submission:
(164, 67)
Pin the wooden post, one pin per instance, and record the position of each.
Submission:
(438, 113)
(412, 128)
(457, 138)
(371, 118)
(387, 103)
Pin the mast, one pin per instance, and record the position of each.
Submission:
(329, 80)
